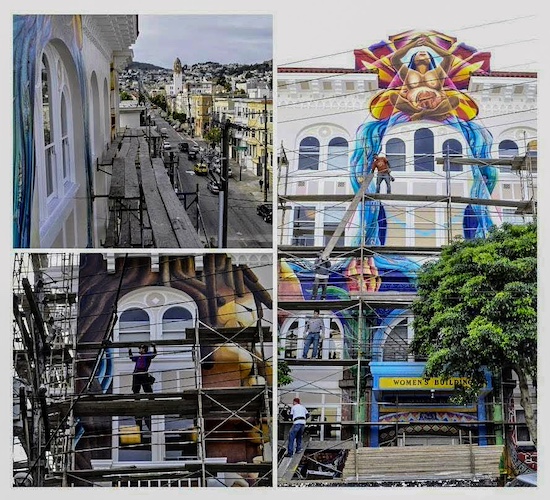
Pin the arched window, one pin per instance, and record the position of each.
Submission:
(152, 315)
(174, 322)
(47, 124)
(134, 325)
(424, 150)
(56, 182)
(452, 147)
(65, 140)
(507, 149)
(309, 154)
(395, 153)
(337, 158)
(396, 346)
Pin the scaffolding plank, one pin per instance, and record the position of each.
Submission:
(342, 198)
(117, 178)
(219, 402)
(392, 300)
(237, 335)
(354, 251)
(182, 226)
(337, 363)
(163, 234)
(153, 471)
(108, 155)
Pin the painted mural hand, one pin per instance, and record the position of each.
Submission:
(232, 297)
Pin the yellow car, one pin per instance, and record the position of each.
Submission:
(200, 169)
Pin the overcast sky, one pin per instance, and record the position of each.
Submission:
(225, 38)
(510, 34)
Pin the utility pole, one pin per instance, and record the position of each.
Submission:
(266, 177)
(222, 239)
(189, 110)
(283, 162)
(224, 191)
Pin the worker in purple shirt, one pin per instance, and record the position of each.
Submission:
(141, 377)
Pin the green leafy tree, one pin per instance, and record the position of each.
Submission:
(283, 373)
(179, 116)
(213, 136)
(126, 96)
(160, 101)
(477, 311)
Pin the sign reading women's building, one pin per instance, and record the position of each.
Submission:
(421, 383)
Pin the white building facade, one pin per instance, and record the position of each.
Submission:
(72, 65)
(331, 121)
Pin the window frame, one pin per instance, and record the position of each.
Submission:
(54, 201)
(337, 143)
(305, 155)
(424, 150)
(174, 359)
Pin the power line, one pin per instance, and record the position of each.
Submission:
(458, 30)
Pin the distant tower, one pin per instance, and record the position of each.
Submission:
(178, 76)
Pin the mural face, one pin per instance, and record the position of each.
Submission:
(423, 76)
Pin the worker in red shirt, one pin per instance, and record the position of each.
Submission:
(381, 164)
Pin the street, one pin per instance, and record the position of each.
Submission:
(245, 227)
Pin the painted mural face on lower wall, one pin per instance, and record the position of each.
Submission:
(189, 322)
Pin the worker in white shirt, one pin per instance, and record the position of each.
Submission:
(299, 415)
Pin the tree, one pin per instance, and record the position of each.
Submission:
(477, 311)
(213, 136)
(283, 373)
(126, 96)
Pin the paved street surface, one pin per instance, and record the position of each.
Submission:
(245, 227)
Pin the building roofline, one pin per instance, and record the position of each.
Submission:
(326, 70)
(343, 71)
(506, 74)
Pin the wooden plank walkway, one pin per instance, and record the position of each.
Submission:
(124, 197)
(171, 226)
(144, 208)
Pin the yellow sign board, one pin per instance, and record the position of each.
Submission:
(409, 383)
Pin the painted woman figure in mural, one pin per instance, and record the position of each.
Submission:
(422, 95)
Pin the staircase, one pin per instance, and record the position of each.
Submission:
(423, 462)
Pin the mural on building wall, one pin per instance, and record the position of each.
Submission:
(31, 34)
(225, 295)
(424, 76)
(348, 277)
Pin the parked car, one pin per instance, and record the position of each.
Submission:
(218, 170)
(200, 168)
(265, 211)
(214, 186)
(184, 147)
(523, 480)
(193, 153)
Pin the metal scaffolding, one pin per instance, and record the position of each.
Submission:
(49, 407)
(363, 304)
